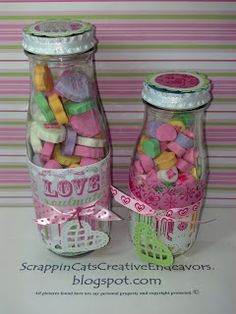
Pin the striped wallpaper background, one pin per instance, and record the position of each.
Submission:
(135, 38)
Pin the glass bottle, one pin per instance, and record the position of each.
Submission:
(67, 138)
(168, 171)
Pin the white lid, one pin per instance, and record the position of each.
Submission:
(58, 37)
(177, 90)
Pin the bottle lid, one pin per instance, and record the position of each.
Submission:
(177, 90)
(58, 37)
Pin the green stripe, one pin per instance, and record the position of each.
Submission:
(224, 99)
(223, 146)
(223, 168)
(14, 74)
(122, 74)
(123, 16)
(13, 167)
(121, 123)
(13, 99)
(117, 166)
(15, 187)
(221, 188)
(221, 123)
(19, 123)
(125, 123)
(122, 100)
(16, 205)
(12, 145)
(146, 46)
(211, 188)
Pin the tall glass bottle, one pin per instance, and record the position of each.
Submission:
(67, 137)
(169, 166)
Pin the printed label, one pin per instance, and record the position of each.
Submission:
(71, 187)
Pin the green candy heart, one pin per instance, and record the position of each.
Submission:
(44, 107)
(149, 248)
(185, 117)
(74, 108)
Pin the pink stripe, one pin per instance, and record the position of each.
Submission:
(162, 25)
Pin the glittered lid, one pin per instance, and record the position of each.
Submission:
(177, 90)
(58, 37)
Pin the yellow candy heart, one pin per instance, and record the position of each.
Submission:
(165, 160)
(64, 160)
(57, 108)
(43, 80)
(178, 124)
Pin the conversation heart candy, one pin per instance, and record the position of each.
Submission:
(91, 152)
(176, 148)
(170, 175)
(146, 162)
(86, 161)
(86, 124)
(68, 146)
(57, 108)
(43, 80)
(165, 160)
(184, 141)
(152, 128)
(47, 151)
(52, 164)
(44, 108)
(73, 85)
(151, 147)
(166, 132)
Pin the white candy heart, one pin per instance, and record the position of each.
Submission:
(170, 175)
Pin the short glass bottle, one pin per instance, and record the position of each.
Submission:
(67, 137)
(168, 171)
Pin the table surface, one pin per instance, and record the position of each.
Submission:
(113, 279)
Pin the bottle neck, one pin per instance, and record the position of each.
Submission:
(153, 113)
(78, 57)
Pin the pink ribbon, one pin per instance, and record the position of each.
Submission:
(176, 214)
(103, 214)
(98, 212)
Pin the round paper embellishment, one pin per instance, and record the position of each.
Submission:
(57, 28)
(178, 81)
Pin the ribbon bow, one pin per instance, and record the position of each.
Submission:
(98, 213)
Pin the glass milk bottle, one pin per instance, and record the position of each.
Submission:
(67, 139)
(168, 171)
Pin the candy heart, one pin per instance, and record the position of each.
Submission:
(73, 86)
(76, 238)
(149, 248)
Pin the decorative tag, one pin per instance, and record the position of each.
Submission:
(149, 248)
(74, 237)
